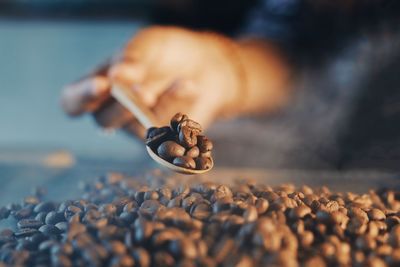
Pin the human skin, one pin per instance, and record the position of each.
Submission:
(171, 69)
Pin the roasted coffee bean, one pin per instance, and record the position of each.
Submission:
(142, 257)
(204, 144)
(29, 223)
(24, 232)
(187, 137)
(6, 235)
(176, 119)
(22, 213)
(203, 163)
(376, 214)
(194, 126)
(184, 247)
(201, 210)
(49, 229)
(44, 207)
(169, 150)
(194, 152)
(54, 217)
(184, 162)
(71, 210)
(207, 224)
(155, 136)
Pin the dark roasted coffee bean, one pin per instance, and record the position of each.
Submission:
(183, 247)
(155, 136)
(376, 214)
(201, 210)
(29, 223)
(250, 215)
(194, 152)
(188, 137)
(184, 162)
(24, 232)
(299, 212)
(169, 150)
(131, 206)
(54, 217)
(141, 256)
(49, 229)
(150, 207)
(108, 209)
(71, 210)
(194, 126)
(128, 217)
(44, 207)
(262, 205)
(151, 195)
(176, 119)
(163, 259)
(62, 226)
(6, 235)
(167, 235)
(22, 213)
(203, 163)
(204, 144)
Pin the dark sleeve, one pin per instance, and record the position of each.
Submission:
(314, 28)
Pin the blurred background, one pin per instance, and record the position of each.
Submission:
(45, 45)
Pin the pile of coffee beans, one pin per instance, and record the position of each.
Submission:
(181, 143)
(122, 222)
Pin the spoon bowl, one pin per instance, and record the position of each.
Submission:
(173, 167)
(128, 99)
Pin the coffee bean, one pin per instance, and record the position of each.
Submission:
(203, 163)
(49, 229)
(6, 235)
(201, 210)
(204, 144)
(29, 223)
(155, 136)
(376, 214)
(183, 247)
(184, 162)
(54, 217)
(142, 257)
(194, 126)
(22, 213)
(193, 152)
(299, 212)
(176, 119)
(169, 150)
(24, 232)
(62, 226)
(187, 137)
(44, 207)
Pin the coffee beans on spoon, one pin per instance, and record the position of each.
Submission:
(181, 143)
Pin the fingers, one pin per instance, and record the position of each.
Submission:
(85, 96)
(184, 96)
(134, 75)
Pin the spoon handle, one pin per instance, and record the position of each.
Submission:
(130, 101)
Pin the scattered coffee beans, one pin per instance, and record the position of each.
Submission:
(122, 222)
(181, 143)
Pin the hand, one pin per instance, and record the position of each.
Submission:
(171, 70)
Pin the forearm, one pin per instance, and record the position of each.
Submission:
(266, 77)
